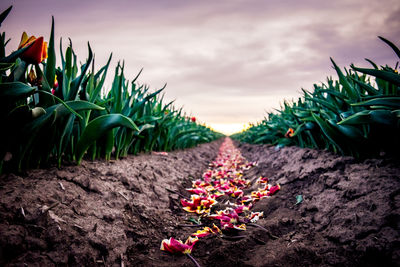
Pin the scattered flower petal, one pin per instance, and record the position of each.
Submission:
(177, 246)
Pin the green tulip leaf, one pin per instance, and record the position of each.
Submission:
(381, 74)
(98, 127)
(331, 133)
(351, 92)
(395, 48)
(50, 70)
(4, 14)
(14, 91)
(6, 66)
(392, 102)
(370, 116)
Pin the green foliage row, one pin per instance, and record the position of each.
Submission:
(76, 115)
(358, 114)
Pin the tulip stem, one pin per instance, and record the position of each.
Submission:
(175, 192)
(193, 260)
(259, 226)
(236, 237)
(62, 102)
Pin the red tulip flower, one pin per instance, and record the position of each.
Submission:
(207, 174)
(289, 133)
(197, 191)
(193, 119)
(53, 90)
(262, 180)
(241, 208)
(246, 199)
(191, 206)
(216, 195)
(207, 230)
(228, 219)
(274, 189)
(37, 52)
(177, 246)
(198, 204)
(255, 216)
(200, 183)
(236, 193)
(55, 85)
(259, 194)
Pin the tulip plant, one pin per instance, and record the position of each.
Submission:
(358, 115)
(53, 113)
(223, 178)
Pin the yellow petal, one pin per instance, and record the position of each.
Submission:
(24, 38)
(44, 51)
(28, 41)
(189, 209)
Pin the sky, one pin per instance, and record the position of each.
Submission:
(226, 62)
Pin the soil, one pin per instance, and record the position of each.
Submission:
(116, 213)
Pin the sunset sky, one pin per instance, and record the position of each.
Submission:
(226, 62)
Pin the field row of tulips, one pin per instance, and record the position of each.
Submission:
(50, 114)
(224, 183)
(358, 114)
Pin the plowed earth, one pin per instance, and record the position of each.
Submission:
(116, 213)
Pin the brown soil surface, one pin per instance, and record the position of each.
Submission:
(116, 213)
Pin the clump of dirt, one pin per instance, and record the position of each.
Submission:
(114, 213)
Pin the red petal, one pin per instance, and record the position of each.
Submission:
(35, 52)
(274, 189)
(172, 245)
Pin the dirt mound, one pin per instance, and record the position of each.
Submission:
(98, 213)
(109, 213)
(350, 214)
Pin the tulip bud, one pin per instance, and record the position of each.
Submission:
(55, 85)
(37, 52)
(37, 112)
(7, 156)
(32, 77)
(289, 133)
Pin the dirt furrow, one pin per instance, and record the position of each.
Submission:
(108, 213)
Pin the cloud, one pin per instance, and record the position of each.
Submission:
(225, 61)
